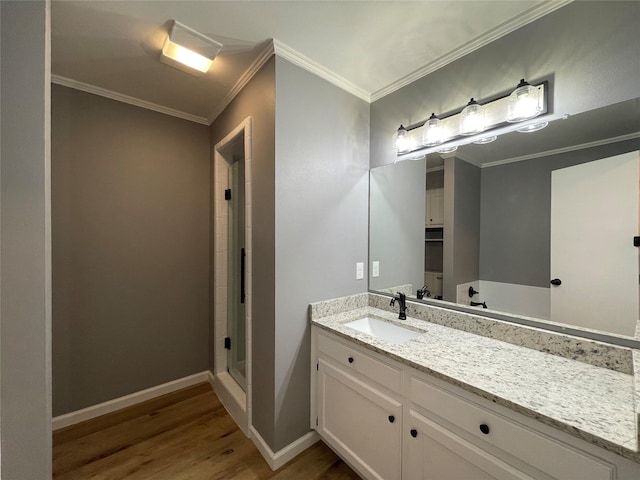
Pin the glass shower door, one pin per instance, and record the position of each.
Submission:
(236, 282)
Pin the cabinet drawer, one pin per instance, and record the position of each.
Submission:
(363, 363)
(550, 456)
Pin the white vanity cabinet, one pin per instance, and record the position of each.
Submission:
(357, 415)
(391, 421)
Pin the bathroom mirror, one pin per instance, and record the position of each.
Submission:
(506, 218)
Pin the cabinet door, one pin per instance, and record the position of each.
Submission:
(435, 206)
(434, 453)
(361, 423)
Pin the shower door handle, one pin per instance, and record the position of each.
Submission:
(242, 293)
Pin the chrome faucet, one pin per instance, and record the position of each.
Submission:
(402, 303)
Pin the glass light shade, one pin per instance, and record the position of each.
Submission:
(186, 57)
(432, 132)
(523, 103)
(533, 128)
(485, 140)
(472, 118)
(401, 140)
(448, 149)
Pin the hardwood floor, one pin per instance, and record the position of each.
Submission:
(185, 435)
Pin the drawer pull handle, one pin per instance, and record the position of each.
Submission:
(484, 428)
(414, 432)
(392, 418)
(350, 359)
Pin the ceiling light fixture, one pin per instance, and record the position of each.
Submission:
(189, 50)
(477, 123)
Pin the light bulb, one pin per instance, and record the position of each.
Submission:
(472, 118)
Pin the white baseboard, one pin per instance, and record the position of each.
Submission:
(94, 411)
(278, 459)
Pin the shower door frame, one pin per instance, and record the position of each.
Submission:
(236, 401)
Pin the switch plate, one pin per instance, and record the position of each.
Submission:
(359, 271)
(375, 269)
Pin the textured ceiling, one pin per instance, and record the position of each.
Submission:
(371, 45)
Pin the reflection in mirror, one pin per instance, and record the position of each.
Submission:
(539, 225)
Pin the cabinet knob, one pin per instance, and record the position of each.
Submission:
(484, 428)
(350, 359)
(414, 432)
(392, 418)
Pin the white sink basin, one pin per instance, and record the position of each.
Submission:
(389, 332)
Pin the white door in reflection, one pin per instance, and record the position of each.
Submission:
(594, 216)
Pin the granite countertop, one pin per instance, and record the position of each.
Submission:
(589, 402)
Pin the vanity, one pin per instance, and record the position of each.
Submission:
(498, 401)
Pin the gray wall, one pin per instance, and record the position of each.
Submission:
(257, 100)
(462, 225)
(588, 50)
(130, 214)
(322, 160)
(25, 262)
(516, 215)
(396, 224)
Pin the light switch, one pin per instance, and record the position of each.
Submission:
(359, 271)
(375, 269)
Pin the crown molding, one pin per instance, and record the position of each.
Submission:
(558, 151)
(501, 30)
(119, 97)
(284, 51)
(249, 73)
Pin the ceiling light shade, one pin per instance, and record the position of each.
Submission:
(524, 103)
(432, 132)
(472, 118)
(189, 50)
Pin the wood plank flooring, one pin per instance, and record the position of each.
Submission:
(185, 435)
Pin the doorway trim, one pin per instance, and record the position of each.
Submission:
(236, 401)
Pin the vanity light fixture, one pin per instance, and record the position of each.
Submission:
(522, 109)
(472, 118)
(188, 50)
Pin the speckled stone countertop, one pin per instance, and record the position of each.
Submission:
(592, 403)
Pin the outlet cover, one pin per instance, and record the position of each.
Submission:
(375, 269)
(359, 271)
